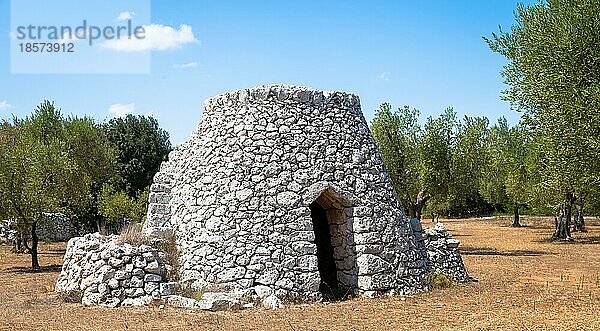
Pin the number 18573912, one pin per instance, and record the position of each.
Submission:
(47, 47)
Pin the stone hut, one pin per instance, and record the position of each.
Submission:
(283, 187)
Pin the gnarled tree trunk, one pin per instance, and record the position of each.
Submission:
(578, 221)
(563, 220)
(35, 264)
(422, 199)
(415, 208)
(516, 219)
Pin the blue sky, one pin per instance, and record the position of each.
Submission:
(427, 54)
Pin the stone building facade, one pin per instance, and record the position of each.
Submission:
(283, 187)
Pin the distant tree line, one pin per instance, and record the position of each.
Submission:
(96, 173)
(548, 163)
(467, 167)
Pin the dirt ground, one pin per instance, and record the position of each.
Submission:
(525, 283)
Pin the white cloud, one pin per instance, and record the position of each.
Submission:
(5, 105)
(385, 76)
(121, 110)
(158, 37)
(126, 15)
(186, 65)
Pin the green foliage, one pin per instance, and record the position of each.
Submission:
(49, 163)
(554, 78)
(436, 158)
(34, 169)
(505, 177)
(94, 159)
(34, 166)
(117, 206)
(142, 145)
(436, 167)
(468, 159)
(398, 135)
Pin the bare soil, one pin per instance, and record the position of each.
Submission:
(525, 283)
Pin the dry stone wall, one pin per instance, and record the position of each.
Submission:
(54, 227)
(7, 233)
(238, 196)
(104, 271)
(442, 253)
(100, 270)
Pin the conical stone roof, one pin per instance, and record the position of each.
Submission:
(283, 187)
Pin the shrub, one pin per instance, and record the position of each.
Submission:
(116, 206)
(438, 279)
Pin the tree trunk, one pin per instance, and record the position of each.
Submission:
(35, 265)
(433, 218)
(411, 210)
(516, 219)
(563, 221)
(419, 211)
(578, 221)
(101, 224)
(18, 246)
(422, 199)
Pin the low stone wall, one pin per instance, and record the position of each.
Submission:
(99, 270)
(442, 251)
(7, 233)
(108, 273)
(54, 227)
(103, 271)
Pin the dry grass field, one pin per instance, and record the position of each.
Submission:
(525, 283)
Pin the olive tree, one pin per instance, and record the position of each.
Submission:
(417, 159)
(553, 76)
(33, 168)
(505, 175)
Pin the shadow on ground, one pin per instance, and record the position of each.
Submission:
(577, 240)
(28, 270)
(593, 240)
(466, 250)
(56, 252)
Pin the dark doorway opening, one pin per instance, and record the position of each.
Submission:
(325, 257)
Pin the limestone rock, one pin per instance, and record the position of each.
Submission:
(218, 302)
(181, 302)
(272, 302)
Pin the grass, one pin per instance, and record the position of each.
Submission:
(557, 290)
(132, 234)
(168, 245)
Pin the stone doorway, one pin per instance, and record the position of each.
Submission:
(325, 258)
(335, 254)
